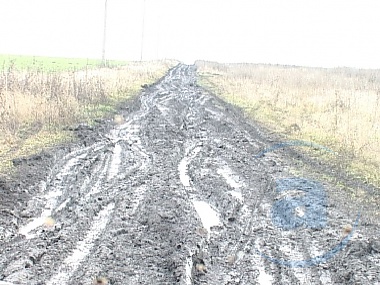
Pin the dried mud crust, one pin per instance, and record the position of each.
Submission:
(175, 194)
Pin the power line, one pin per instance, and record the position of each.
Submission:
(104, 34)
(142, 33)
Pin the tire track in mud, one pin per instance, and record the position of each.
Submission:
(173, 195)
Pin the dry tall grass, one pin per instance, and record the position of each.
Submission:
(35, 105)
(338, 108)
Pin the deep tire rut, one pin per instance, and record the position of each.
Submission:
(176, 195)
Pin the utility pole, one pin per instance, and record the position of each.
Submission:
(104, 34)
(142, 33)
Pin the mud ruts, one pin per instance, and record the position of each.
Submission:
(175, 195)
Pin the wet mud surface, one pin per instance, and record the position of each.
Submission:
(176, 194)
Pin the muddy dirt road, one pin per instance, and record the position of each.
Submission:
(184, 191)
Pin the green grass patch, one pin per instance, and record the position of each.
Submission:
(52, 64)
(15, 147)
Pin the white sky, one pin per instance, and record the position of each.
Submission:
(300, 32)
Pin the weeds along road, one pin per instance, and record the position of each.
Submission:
(176, 194)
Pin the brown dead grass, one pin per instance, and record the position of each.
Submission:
(36, 106)
(338, 108)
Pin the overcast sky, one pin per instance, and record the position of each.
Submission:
(299, 32)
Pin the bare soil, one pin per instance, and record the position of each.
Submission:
(177, 194)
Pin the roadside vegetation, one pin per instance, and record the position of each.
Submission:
(52, 64)
(41, 97)
(338, 108)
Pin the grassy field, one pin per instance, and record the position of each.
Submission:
(49, 64)
(38, 104)
(338, 108)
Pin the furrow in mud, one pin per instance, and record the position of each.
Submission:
(82, 249)
(177, 194)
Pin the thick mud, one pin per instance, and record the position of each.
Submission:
(177, 194)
